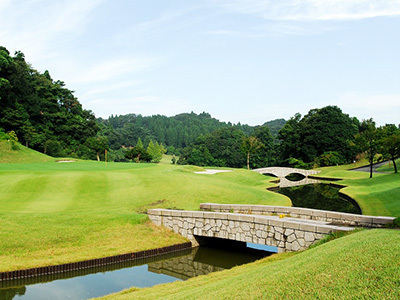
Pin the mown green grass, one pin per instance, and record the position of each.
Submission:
(389, 166)
(363, 265)
(61, 212)
(379, 195)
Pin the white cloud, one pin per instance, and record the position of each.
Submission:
(38, 25)
(115, 68)
(112, 87)
(303, 10)
(274, 29)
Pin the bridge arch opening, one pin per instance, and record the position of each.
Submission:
(295, 177)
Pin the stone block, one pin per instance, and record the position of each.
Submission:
(278, 236)
(261, 220)
(376, 221)
(264, 234)
(319, 214)
(199, 223)
(234, 217)
(291, 224)
(282, 210)
(198, 214)
(301, 242)
(291, 238)
(288, 231)
(309, 237)
(206, 206)
(155, 212)
(231, 224)
(245, 226)
(295, 246)
(247, 218)
(279, 229)
(333, 215)
(325, 229)
(268, 208)
(186, 214)
(307, 227)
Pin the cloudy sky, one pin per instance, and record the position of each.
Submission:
(247, 61)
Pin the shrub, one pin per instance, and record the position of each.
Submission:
(330, 158)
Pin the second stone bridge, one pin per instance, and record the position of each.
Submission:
(272, 225)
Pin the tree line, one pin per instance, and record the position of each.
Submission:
(323, 137)
(43, 114)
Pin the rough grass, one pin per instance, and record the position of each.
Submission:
(363, 265)
(22, 155)
(62, 212)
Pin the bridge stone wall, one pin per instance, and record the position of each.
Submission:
(282, 172)
(287, 235)
(302, 213)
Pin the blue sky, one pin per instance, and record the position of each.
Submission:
(247, 61)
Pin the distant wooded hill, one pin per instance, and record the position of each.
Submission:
(175, 132)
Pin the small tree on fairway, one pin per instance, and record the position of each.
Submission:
(368, 141)
(390, 143)
(249, 146)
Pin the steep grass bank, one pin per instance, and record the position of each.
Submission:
(377, 196)
(363, 265)
(22, 155)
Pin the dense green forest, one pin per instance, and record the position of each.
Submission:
(177, 132)
(46, 116)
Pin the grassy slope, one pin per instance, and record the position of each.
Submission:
(389, 166)
(378, 195)
(23, 155)
(92, 210)
(364, 265)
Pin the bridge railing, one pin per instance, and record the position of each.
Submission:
(303, 213)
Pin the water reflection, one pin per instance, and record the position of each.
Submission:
(320, 196)
(104, 280)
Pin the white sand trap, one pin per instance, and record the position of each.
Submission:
(65, 161)
(211, 172)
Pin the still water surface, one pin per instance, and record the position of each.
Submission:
(320, 196)
(100, 281)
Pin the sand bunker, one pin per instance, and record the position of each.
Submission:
(211, 172)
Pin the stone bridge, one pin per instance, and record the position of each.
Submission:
(282, 172)
(287, 228)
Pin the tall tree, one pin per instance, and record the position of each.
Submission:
(390, 143)
(368, 141)
(249, 146)
(321, 130)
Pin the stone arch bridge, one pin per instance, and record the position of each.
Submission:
(282, 172)
(287, 228)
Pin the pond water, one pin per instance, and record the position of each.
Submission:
(322, 196)
(100, 281)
